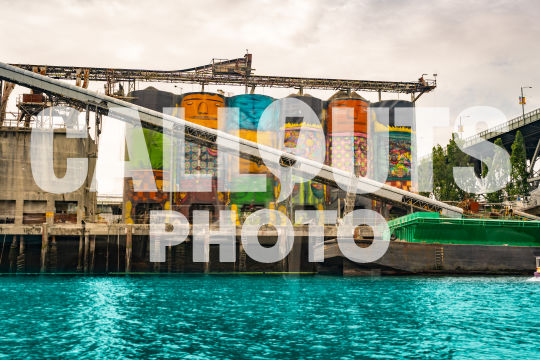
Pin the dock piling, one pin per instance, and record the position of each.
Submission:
(129, 235)
(86, 251)
(79, 262)
(92, 253)
(53, 257)
(13, 252)
(21, 259)
(44, 247)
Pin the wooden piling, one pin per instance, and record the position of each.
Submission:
(92, 253)
(53, 257)
(242, 258)
(21, 259)
(86, 251)
(13, 252)
(79, 263)
(180, 257)
(294, 259)
(44, 248)
(129, 234)
(107, 255)
(207, 250)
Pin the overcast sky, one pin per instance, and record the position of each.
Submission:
(482, 51)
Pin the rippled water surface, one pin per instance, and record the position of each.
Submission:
(269, 317)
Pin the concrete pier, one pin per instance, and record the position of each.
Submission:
(94, 248)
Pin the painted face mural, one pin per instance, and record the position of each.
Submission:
(251, 108)
(201, 109)
(252, 117)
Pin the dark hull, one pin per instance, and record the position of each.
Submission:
(421, 258)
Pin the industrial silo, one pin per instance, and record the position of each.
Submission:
(346, 134)
(201, 108)
(399, 134)
(152, 98)
(137, 204)
(253, 124)
(308, 195)
(339, 133)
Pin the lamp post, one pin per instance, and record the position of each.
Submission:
(523, 100)
(460, 127)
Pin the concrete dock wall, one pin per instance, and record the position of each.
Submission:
(21, 200)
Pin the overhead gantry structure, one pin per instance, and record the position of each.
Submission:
(103, 104)
(226, 72)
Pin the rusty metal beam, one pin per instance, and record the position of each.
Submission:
(211, 78)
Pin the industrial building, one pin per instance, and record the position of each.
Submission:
(64, 232)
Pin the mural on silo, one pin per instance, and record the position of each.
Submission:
(400, 138)
(308, 194)
(340, 138)
(257, 125)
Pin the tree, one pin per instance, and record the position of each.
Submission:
(496, 196)
(440, 173)
(518, 178)
(455, 158)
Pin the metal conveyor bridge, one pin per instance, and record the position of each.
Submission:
(92, 101)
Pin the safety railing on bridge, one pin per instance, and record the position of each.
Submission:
(515, 123)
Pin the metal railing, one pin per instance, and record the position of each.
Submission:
(517, 122)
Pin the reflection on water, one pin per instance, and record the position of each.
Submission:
(201, 317)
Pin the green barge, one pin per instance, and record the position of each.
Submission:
(424, 243)
(430, 228)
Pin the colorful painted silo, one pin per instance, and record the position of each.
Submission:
(339, 134)
(251, 108)
(253, 124)
(309, 194)
(400, 139)
(201, 108)
(137, 204)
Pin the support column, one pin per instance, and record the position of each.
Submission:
(180, 257)
(79, 263)
(6, 90)
(170, 251)
(19, 206)
(44, 248)
(21, 259)
(129, 235)
(156, 266)
(533, 159)
(294, 258)
(92, 253)
(1, 92)
(107, 256)
(13, 252)
(53, 258)
(242, 258)
(207, 249)
(86, 251)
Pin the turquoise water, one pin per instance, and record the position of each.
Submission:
(269, 317)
